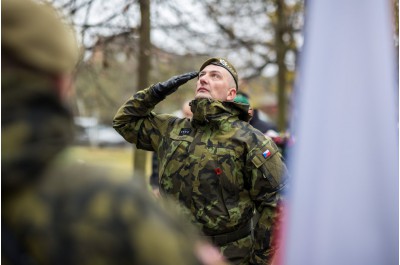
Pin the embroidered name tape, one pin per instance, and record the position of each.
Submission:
(185, 131)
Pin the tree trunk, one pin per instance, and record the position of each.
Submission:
(140, 157)
(280, 53)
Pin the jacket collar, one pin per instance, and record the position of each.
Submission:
(214, 111)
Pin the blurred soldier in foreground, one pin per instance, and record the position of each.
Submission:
(215, 164)
(54, 210)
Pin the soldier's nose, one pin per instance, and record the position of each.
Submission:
(203, 79)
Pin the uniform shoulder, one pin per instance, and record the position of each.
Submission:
(248, 129)
(250, 136)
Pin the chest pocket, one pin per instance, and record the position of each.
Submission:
(269, 162)
(176, 148)
(230, 165)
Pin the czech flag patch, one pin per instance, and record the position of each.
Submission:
(266, 153)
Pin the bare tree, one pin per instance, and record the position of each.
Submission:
(266, 34)
(259, 36)
(144, 44)
(143, 71)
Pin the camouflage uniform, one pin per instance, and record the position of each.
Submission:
(213, 165)
(64, 212)
(54, 209)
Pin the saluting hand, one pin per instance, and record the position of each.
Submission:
(163, 89)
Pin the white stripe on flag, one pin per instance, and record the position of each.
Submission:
(343, 202)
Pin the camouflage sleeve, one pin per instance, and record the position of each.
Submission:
(266, 172)
(136, 122)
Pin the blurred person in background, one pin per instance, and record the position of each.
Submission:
(217, 166)
(268, 128)
(54, 209)
(255, 121)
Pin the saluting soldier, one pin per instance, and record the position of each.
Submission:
(218, 167)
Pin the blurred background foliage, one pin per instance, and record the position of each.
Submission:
(262, 38)
(130, 44)
(128, 40)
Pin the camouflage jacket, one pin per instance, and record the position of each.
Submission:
(217, 165)
(56, 210)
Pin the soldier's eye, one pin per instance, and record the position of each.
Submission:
(216, 76)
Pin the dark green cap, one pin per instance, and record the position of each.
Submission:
(225, 64)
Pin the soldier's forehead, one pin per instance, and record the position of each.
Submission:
(214, 68)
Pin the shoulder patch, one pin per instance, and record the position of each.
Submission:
(266, 153)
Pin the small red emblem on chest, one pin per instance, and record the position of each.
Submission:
(218, 171)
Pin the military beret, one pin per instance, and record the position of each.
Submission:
(35, 34)
(225, 64)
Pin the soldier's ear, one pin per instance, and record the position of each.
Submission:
(231, 94)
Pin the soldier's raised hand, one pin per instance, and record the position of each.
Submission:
(163, 89)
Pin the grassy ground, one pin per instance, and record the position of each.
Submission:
(118, 159)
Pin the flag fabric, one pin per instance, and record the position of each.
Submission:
(343, 204)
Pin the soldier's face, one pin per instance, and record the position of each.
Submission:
(215, 82)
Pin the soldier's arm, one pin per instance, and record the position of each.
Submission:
(267, 172)
(135, 120)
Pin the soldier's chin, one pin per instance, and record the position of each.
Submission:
(203, 95)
